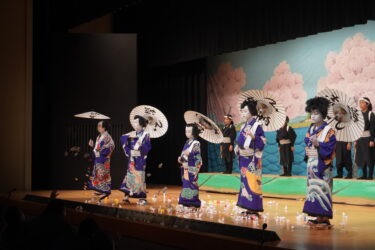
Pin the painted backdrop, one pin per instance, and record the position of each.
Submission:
(293, 71)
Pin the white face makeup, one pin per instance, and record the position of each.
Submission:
(137, 126)
(316, 116)
(100, 128)
(245, 114)
(189, 132)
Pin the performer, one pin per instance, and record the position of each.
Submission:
(191, 162)
(320, 145)
(343, 150)
(100, 180)
(286, 137)
(365, 152)
(136, 148)
(250, 144)
(227, 146)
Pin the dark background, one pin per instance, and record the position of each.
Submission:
(85, 72)
(76, 73)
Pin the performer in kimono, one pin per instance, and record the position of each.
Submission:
(320, 147)
(365, 151)
(250, 144)
(136, 148)
(343, 150)
(227, 146)
(100, 180)
(286, 137)
(191, 162)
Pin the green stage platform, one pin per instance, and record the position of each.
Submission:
(355, 192)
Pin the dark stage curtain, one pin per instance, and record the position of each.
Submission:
(173, 90)
(171, 31)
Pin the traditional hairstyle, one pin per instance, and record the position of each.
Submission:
(367, 100)
(142, 121)
(251, 105)
(286, 119)
(230, 117)
(195, 130)
(106, 125)
(318, 103)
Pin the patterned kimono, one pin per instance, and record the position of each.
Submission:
(189, 174)
(319, 171)
(136, 149)
(249, 154)
(101, 177)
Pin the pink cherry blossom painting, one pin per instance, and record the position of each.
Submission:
(288, 88)
(223, 90)
(351, 70)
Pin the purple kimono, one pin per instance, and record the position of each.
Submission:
(189, 174)
(249, 154)
(319, 171)
(101, 177)
(136, 149)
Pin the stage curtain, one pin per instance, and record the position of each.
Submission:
(171, 32)
(173, 90)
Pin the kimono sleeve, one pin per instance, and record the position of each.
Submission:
(146, 145)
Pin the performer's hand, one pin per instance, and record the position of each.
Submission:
(186, 174)
(313, 138)
(250, 134)
(221, 148)
(348, 146)
(292, 148)
(260, 163)
(371, 144)
(230, 148)
(91, 143)
(186, 152)
(97, 154)
(179, 160)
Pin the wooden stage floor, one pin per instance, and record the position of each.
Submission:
(354, 226)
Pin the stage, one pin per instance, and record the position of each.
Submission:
(345, 191)
(353, 224)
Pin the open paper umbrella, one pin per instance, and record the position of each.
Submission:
(157, 122)
(209, 131)
(92, 115)
(271, 113)
(343, 116)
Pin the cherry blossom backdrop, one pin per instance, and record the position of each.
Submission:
(293, 71)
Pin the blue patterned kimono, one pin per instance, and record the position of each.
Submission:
(101, 177)
(189, 174)
(249, 154)
(136, 149)
(319, 171)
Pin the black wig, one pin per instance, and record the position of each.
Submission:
(142, 121)
(195, 130)
(318, 103)
(369, 104)
(251, 105)
(106, 125)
